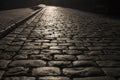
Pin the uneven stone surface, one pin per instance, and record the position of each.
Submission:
(20, 78)
(46, 71)
(108, 63)
(89, 71)
(95, 78)
(62, 44)
(84, 63)
(28, 63)
(1, 74)
(54, 78)
(17, 71)
(4, 63)
(60, 63)
(115, 72)
(64, 57)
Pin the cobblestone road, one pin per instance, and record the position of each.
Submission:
(62, 44)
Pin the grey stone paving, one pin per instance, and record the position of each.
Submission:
(62, 44)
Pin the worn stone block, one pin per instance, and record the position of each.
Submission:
(46, 71)
(60, 63)
(83, 72)
(54, 78)
(64, 57)
(95, 78)
(27, 63)
(114, 72)
(19, 78)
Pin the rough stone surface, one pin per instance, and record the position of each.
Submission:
(110, 57)
(84, 63)
(94, 53)
(17, 71)
(42, 57)
(20, 78)
(6, 55)
(28, 63)
(90, 71)
(1, 74)
(64, 57)
(46, 71)
(4, 63)
(54, 78)
(115, 72)
(62, 43)
(95, 78)
(108, 63)
(85, 57)
(60, 63)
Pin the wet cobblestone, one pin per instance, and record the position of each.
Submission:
(62, 44)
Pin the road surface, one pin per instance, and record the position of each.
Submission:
(62, 44)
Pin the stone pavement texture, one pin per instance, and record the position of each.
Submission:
(62, 44)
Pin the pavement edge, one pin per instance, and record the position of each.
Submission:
(10, 28)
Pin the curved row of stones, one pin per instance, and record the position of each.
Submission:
(39, 50)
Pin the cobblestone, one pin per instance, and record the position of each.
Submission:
(50, 52)
(13, 48)
(110, 52)
(3, 46)
(27, 63)
(46, 71)
(115, 72)
(62, 44)
(85, 57)
(64, 57)
(42, 56)
(58, 47)
(23, 54)
(108, 63)
(4, 63)
(95, 78)
(110, 57)
(53, 78)
(7, 55)
(17, 71)
(1, 74)
(20, 78)
(93, 53)
(84, 63)
(83, 72)
(60, 63)
(72, 52)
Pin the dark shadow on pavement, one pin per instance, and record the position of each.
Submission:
(16, 4)
(104, 7)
